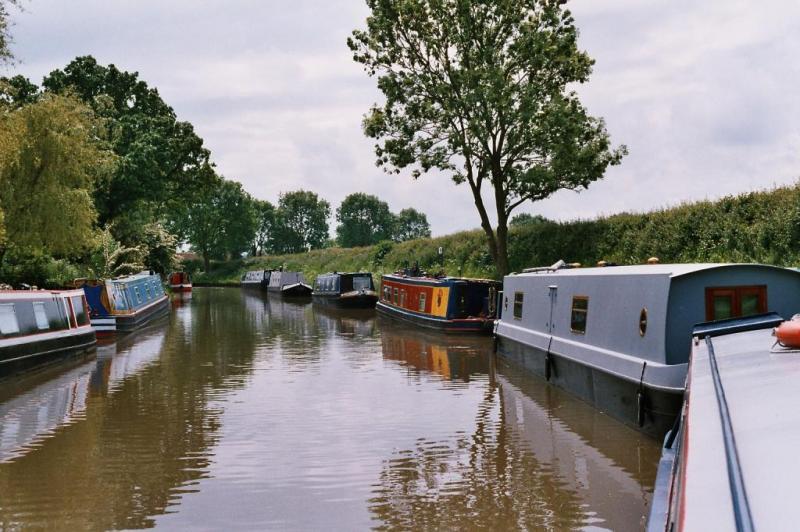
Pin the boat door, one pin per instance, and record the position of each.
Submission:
(552, 295)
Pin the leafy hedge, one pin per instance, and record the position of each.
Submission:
(755, 227)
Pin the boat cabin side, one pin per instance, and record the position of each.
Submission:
(124, 295)
(280, 279)
(341, 283)
(255, 276)
(24, 313)
(645, 312)
(449, 298)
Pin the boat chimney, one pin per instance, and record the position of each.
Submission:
(653, 260)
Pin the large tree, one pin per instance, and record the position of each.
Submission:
(266, 227)
(5, 34)
(221, 224)
(482, 91)
(51, 158)
(363, 220)
(163, 163)
(302, 222)
(411, 224)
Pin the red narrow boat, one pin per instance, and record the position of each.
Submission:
(180, 282)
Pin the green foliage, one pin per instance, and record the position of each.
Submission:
(112, 259)
(411, 224)
(363, 220)
(159, 247)
(36, 269)
(525, 218)
(379, 252)
(482, 91)
(266, 226)
(50, 161)
(162, 161)
(302, 222)
(222, 224)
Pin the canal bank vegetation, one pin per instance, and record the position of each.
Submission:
(755, 227)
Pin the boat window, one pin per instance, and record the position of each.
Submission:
(422, 298)
(735, 301)
(147, 291)
(396, 296)
(41, 316)
(518, 297)
(580, 309)
(643, 322)
(8, 319)
(78, 305)
(402, 298)
(361, 283)
(138, 294)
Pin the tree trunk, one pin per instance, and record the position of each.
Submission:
(501, 262)
(206, 262)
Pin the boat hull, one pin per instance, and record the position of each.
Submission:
(180, 287)
(262, 285)
(365, 301)
(654, 414)
(125, 323)
(469, 325)
(294, 291)
(36, 348)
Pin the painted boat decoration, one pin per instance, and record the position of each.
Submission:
(256, 279)
(618, 337)
(730, 463)
(180, 282)
(288, 284)
(450, 304)
(126, 303)
(345, 290)
(38, 324)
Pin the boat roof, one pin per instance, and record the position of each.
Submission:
(758, 384)
(437, 279)
(670, 270)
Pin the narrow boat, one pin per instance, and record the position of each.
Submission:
(126, 303)
(289, 284)
(37, 324)
(256, 279)
(180, 282)
(450, 304)
(730, 463)
(345, 290)
(618, 336)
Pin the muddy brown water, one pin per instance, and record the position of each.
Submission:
(240, 411)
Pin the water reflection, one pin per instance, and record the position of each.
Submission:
(247, 411)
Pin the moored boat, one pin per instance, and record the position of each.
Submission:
(37, 324)
(256, 279)
(180, 282)
(451, 304)
(618, 337)
(345, 290)
(126, 303)
(730, 463)
(289, 284)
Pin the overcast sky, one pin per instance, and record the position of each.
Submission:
(705, 94)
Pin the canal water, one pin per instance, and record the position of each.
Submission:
(241, 411)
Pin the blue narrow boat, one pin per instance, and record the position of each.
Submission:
(256, 279)
(126, 303)
(38, 324)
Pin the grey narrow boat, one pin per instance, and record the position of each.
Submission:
(619, 337)
(730, 463)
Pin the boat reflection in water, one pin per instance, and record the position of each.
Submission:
(37, 408)
(354, 322)
(451, 357)
(536, 457)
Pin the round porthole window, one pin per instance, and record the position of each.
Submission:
(643, 322)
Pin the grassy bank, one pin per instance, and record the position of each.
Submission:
(756, 227)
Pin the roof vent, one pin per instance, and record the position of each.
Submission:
(653, 260)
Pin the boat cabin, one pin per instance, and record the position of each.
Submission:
(180, 282)
(289, 284)
(256, 279)
(345, 289)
